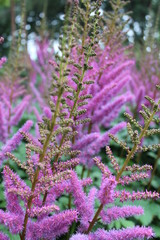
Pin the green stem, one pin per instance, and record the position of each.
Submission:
(94, 219)
(139, 157)
(82, 173)
(131, 154)
(70, 201)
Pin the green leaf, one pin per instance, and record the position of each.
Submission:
(4, 3)
(155, 209)
(127, 223)
(117, 224)
(156, 229)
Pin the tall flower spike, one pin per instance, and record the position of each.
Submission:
(91, 200)
(13, 205)
(106, 192)
(132, 196)
(79, 236)
(37, 211)
(129, 234)
(3, 236)
(133, 178)
(12, 221)
(112, 159)
(51, 227)
(80, 201)
(15, 184)
(104, 169)
(15, 140)
(115, 213)
(19, 110)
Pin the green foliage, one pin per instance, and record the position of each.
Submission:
(4, 3)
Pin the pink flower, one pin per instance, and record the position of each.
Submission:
(115, 213)
(79, 236)
(81, 203)
(106, 192)
(128, 234)
(51, 227)
(12, 221)
(15, 140)
(3, 236)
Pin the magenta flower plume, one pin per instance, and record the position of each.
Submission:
(104, 139)
(57, 190)
(12, 221)
(91, 200)
(115, 213)
(107, 110)
(106, 192)
(81, 203)
(15, 184)
(37, 94)
(100, 96)
(134, 177)
(128, 234)
(19, 110)
(86, 140)
(15, 140)
(37, 211)
(132, 196)
(91, 146)
(52, 227)
(13, 205)
(3, 236)
(79, 236)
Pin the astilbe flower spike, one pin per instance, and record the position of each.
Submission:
(79, 236)
(15, 140)
(52, 227)
(3, 236)
(115, 213)
(106, 192)
(12, 221)
(14, 96)
(81, 202)
(129, 234)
